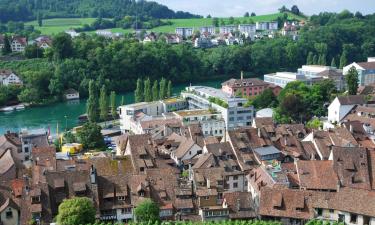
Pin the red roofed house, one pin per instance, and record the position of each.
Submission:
(18, 44)
(247, 87)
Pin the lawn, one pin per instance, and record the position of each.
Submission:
(54, 26)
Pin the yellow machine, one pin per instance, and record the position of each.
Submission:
(72, 148)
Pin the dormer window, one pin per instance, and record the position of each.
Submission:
(121, 198)
(9, 213)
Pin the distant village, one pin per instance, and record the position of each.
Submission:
(206, 155)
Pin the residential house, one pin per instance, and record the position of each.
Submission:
(240, 204)
(150, 38)
(173, 39)
(203, 42)
(366, 71)
(9, 209)
(188, 149)
(43, 42)
(247, 87)
(342, 105)
(8, 77)
(33, 139)
(11, 141)
(247, 29)
(18, 44)
(8, 169)
(72, 33)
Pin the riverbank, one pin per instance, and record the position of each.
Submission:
(64, 115)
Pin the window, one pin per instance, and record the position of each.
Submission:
(320, 212)
(235, 185)
(331, 211)
(231, 118)
(235, 177)
(26, 149)
(353, 218)
(121, 198)
(206, 197)
(9, 213)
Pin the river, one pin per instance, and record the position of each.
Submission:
(64, 113)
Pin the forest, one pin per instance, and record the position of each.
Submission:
(24, 10)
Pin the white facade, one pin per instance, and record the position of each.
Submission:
(104, 33)
(72, 33)
(9, 216)
(236, 183)
(212, 123)
(10, 79)
(124, 214)
(227, 29)
(184, 31)
(72, 96)
(128, 112)
(366, 76)
(235, 112)
(247, 28)
(273, 25)
(261, 25)
(16, 46)
(282, 78)
(209, 29)
(342, 216)
(192, 151)
(336, 111)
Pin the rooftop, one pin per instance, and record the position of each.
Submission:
(198, 112)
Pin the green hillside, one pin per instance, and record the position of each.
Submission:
(53, 26)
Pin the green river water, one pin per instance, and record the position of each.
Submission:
(64, 113)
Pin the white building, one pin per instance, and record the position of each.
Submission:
(18, 44)
(233, 109)
(208, 29)
(104, 33)
(366, 71)
(273, 25)
(283, 78)
(184, 31)
(7, 77)
(72, 33)
(261, 25)
(9, 212)
(247, 28)
(227, 29)
(212, 123)
(342, 105)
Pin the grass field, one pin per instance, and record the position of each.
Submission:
(53, 26)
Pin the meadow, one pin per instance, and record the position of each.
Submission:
(53, 26)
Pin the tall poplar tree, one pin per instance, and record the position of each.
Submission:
(352, 81)
(333, 62)
(113, 104)
(138, 94)
(147, 90)
(343, 60)
(163, 88)
(6, 49)
(103, 103)
(310, 58)
(92, 103)
(169, 89)
(155, 91)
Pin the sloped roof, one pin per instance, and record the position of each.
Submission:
(352, 100)
(6, 162)
(367, 65)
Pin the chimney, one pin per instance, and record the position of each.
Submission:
(259, 134)
(190, 173)
(93, 175)
(238, 205)
(351, 128)
(208, 184)
(241, 75)
(285, 141)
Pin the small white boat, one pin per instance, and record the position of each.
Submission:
(20, 107)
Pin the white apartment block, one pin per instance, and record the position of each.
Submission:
(184, 31)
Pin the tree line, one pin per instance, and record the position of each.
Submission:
(158, 91)
(21, 10)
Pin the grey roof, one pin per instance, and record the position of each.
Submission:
(268, 150)
(352, 100)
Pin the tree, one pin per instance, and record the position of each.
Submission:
(6, 49)
(343, 59)
(333, 62)
(295, 10)
(69, 137)
(169, 89)
(310, 59)
(292, 105)
(215, 22)
(231, 20)
(113, 104)
(76, 211)
(283, 9)
(147, 211)
(208, 16)
(265, 99)
(122, 100)
(315, 60)
(322, 60)
(33, 51)
(40, 19)
(155, 91)
(253, 14)
(90, 136)
(92, 103)
(352, 81)
(314, 124)
(147, 90)
(62, 46)
(139, 97)
(103, 103)
(163, 89)
(247, 14)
